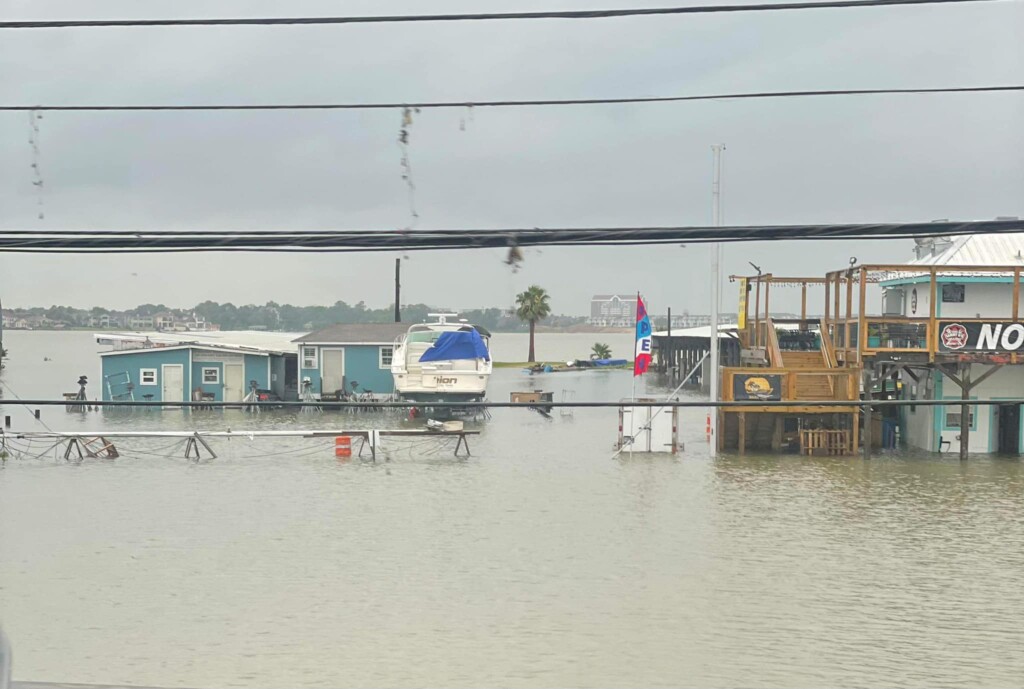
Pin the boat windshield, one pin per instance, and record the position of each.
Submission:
(425, 335)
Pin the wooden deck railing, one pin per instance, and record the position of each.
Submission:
(783, 384)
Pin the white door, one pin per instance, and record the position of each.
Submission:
(173, 385)
(333, 373)
(234, 382)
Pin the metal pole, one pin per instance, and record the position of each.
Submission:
(398, 290)
(716, 255)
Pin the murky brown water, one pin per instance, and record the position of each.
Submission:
(537, 562)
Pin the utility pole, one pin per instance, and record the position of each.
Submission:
(716, 258)
(398, 290)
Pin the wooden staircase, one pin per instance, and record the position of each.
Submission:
(809, 386)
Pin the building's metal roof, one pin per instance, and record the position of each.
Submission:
(241, 340)
(356, 333)
(965, 253)
(979, 250)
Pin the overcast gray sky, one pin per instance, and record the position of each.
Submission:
(879, 158)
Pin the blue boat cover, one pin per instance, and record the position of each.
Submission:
(608, 362)
(459, 344)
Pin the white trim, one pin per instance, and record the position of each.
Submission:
(380, 356)
(202, 375)
(142, 377)
(303, 358)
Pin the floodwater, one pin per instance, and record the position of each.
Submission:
(539, 561)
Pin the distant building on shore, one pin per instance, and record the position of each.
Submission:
(613, 310)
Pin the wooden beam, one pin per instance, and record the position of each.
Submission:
(947, 370)
(855, 432)
(868, 434)
(984, 376)
(757, 313)
(828, 293)
(1016, 293)
(803, 303)
(767, 294)
(742, 437)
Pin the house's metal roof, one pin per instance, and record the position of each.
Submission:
(356, 333)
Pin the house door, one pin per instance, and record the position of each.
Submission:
(234, 382)
(333, 374)
(173, 385)
(1009, 429)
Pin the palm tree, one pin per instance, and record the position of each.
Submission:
(532, 306)
(601, 351)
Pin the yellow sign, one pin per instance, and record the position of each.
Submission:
(742, 320)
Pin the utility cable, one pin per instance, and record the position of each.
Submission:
(92, 241)
(512, 103)
(412, 18)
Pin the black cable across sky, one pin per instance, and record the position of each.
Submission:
(516, 103)
(553, 14)
(340, 241)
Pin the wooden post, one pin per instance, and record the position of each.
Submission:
(855, 432)
(803, 305)
(862, 324)
(868, 431)
(835, 337)
(932, 329)
(828, 292)
(965, 411)
(1016, 293)
(849, 311)
(742, 437)
(757, 313)
(777, 435)
(767, 294)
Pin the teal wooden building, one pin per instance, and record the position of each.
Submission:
(199, 372)
(354, 357)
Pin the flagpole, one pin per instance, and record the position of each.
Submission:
(716, 255)
(632, 394)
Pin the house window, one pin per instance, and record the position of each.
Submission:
(386, 356)
(147, 376)
(309, 357)
(953, 294)
(954, 419)
(211, 375)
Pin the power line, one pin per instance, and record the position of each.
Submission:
(554, 14)
(516, 103)
(339, 241)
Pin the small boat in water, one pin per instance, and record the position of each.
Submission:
(442, 362)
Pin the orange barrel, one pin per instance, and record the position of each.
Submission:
(343, 446)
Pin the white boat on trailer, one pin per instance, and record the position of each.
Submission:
(443, 361)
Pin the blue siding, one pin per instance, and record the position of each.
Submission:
(362, 364)
(197, 377)
(132, 362)
(256, 369)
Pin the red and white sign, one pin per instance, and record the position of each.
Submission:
(954, 336)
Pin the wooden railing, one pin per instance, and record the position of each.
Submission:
(782, 384)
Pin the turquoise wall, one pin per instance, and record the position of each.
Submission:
(362, 364)
(217, 389)
(256, 369)
(277, 375)
(132, 362)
